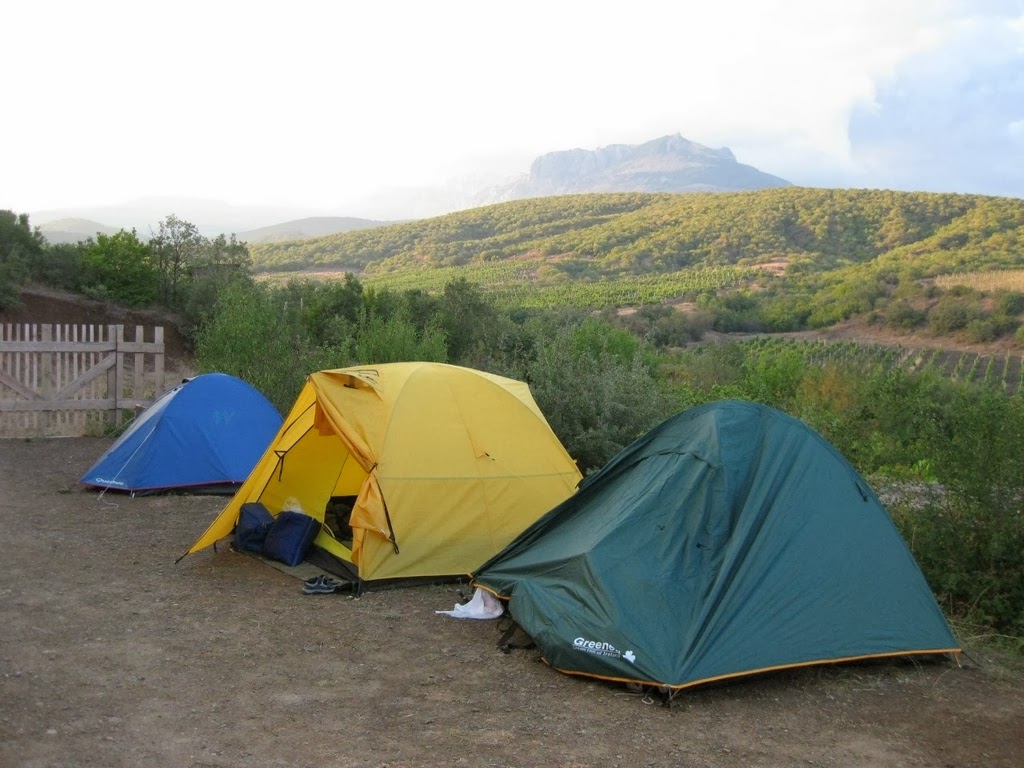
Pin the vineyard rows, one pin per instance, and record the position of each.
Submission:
(1002, 371)
(530, 284)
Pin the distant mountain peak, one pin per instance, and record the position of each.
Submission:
(666, 164)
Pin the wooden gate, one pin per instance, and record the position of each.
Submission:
(74, 380)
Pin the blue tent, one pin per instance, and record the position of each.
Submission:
(729, 540)
(207, 434)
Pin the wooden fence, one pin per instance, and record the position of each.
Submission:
(74, 380)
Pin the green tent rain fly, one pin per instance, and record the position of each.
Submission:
(731, 539)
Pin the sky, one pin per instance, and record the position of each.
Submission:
(316, 105)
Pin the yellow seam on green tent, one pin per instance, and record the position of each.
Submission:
(751, 672)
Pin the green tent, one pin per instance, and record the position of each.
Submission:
(731, 539)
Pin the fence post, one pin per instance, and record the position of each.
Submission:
(115, 334)
(158, 363)
(47, 386)
(139, 367)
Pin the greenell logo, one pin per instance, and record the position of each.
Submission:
(600, 648)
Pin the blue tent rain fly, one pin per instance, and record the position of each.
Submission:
(207, 434)
(731, 539)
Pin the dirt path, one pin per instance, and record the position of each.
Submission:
(111, 655)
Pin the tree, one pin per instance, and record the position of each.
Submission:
(466, 318)
(597, 393)
(178, 247)
(251, 335)
(422, 308)
(395, 339)
(20, 247)
(120, 267)
(219, 260)
(61, 265)
(327, 304)
(213, 266)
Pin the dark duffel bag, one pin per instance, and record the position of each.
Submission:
(254, 522)
(289, 537)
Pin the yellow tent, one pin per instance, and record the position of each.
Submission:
(446, 466)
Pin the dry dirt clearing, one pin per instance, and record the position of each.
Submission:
(111, 655)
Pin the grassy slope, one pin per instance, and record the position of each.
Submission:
(628, 249)
(821, 229)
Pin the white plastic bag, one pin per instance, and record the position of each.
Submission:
(484, 605)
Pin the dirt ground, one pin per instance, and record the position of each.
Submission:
(112, 655)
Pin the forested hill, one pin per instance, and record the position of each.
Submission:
(592, 236)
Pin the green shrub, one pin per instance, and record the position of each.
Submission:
(598, 393)
(1010, 303)
(971, 557)
(903, 315)
(952, 313)
(395, 339)
(253, 336)
(970, 545)
(980, 331)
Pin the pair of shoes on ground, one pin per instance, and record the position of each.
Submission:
(320, 585)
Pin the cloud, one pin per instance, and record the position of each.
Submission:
(949, 119)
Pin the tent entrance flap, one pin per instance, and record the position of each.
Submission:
(306, 476)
